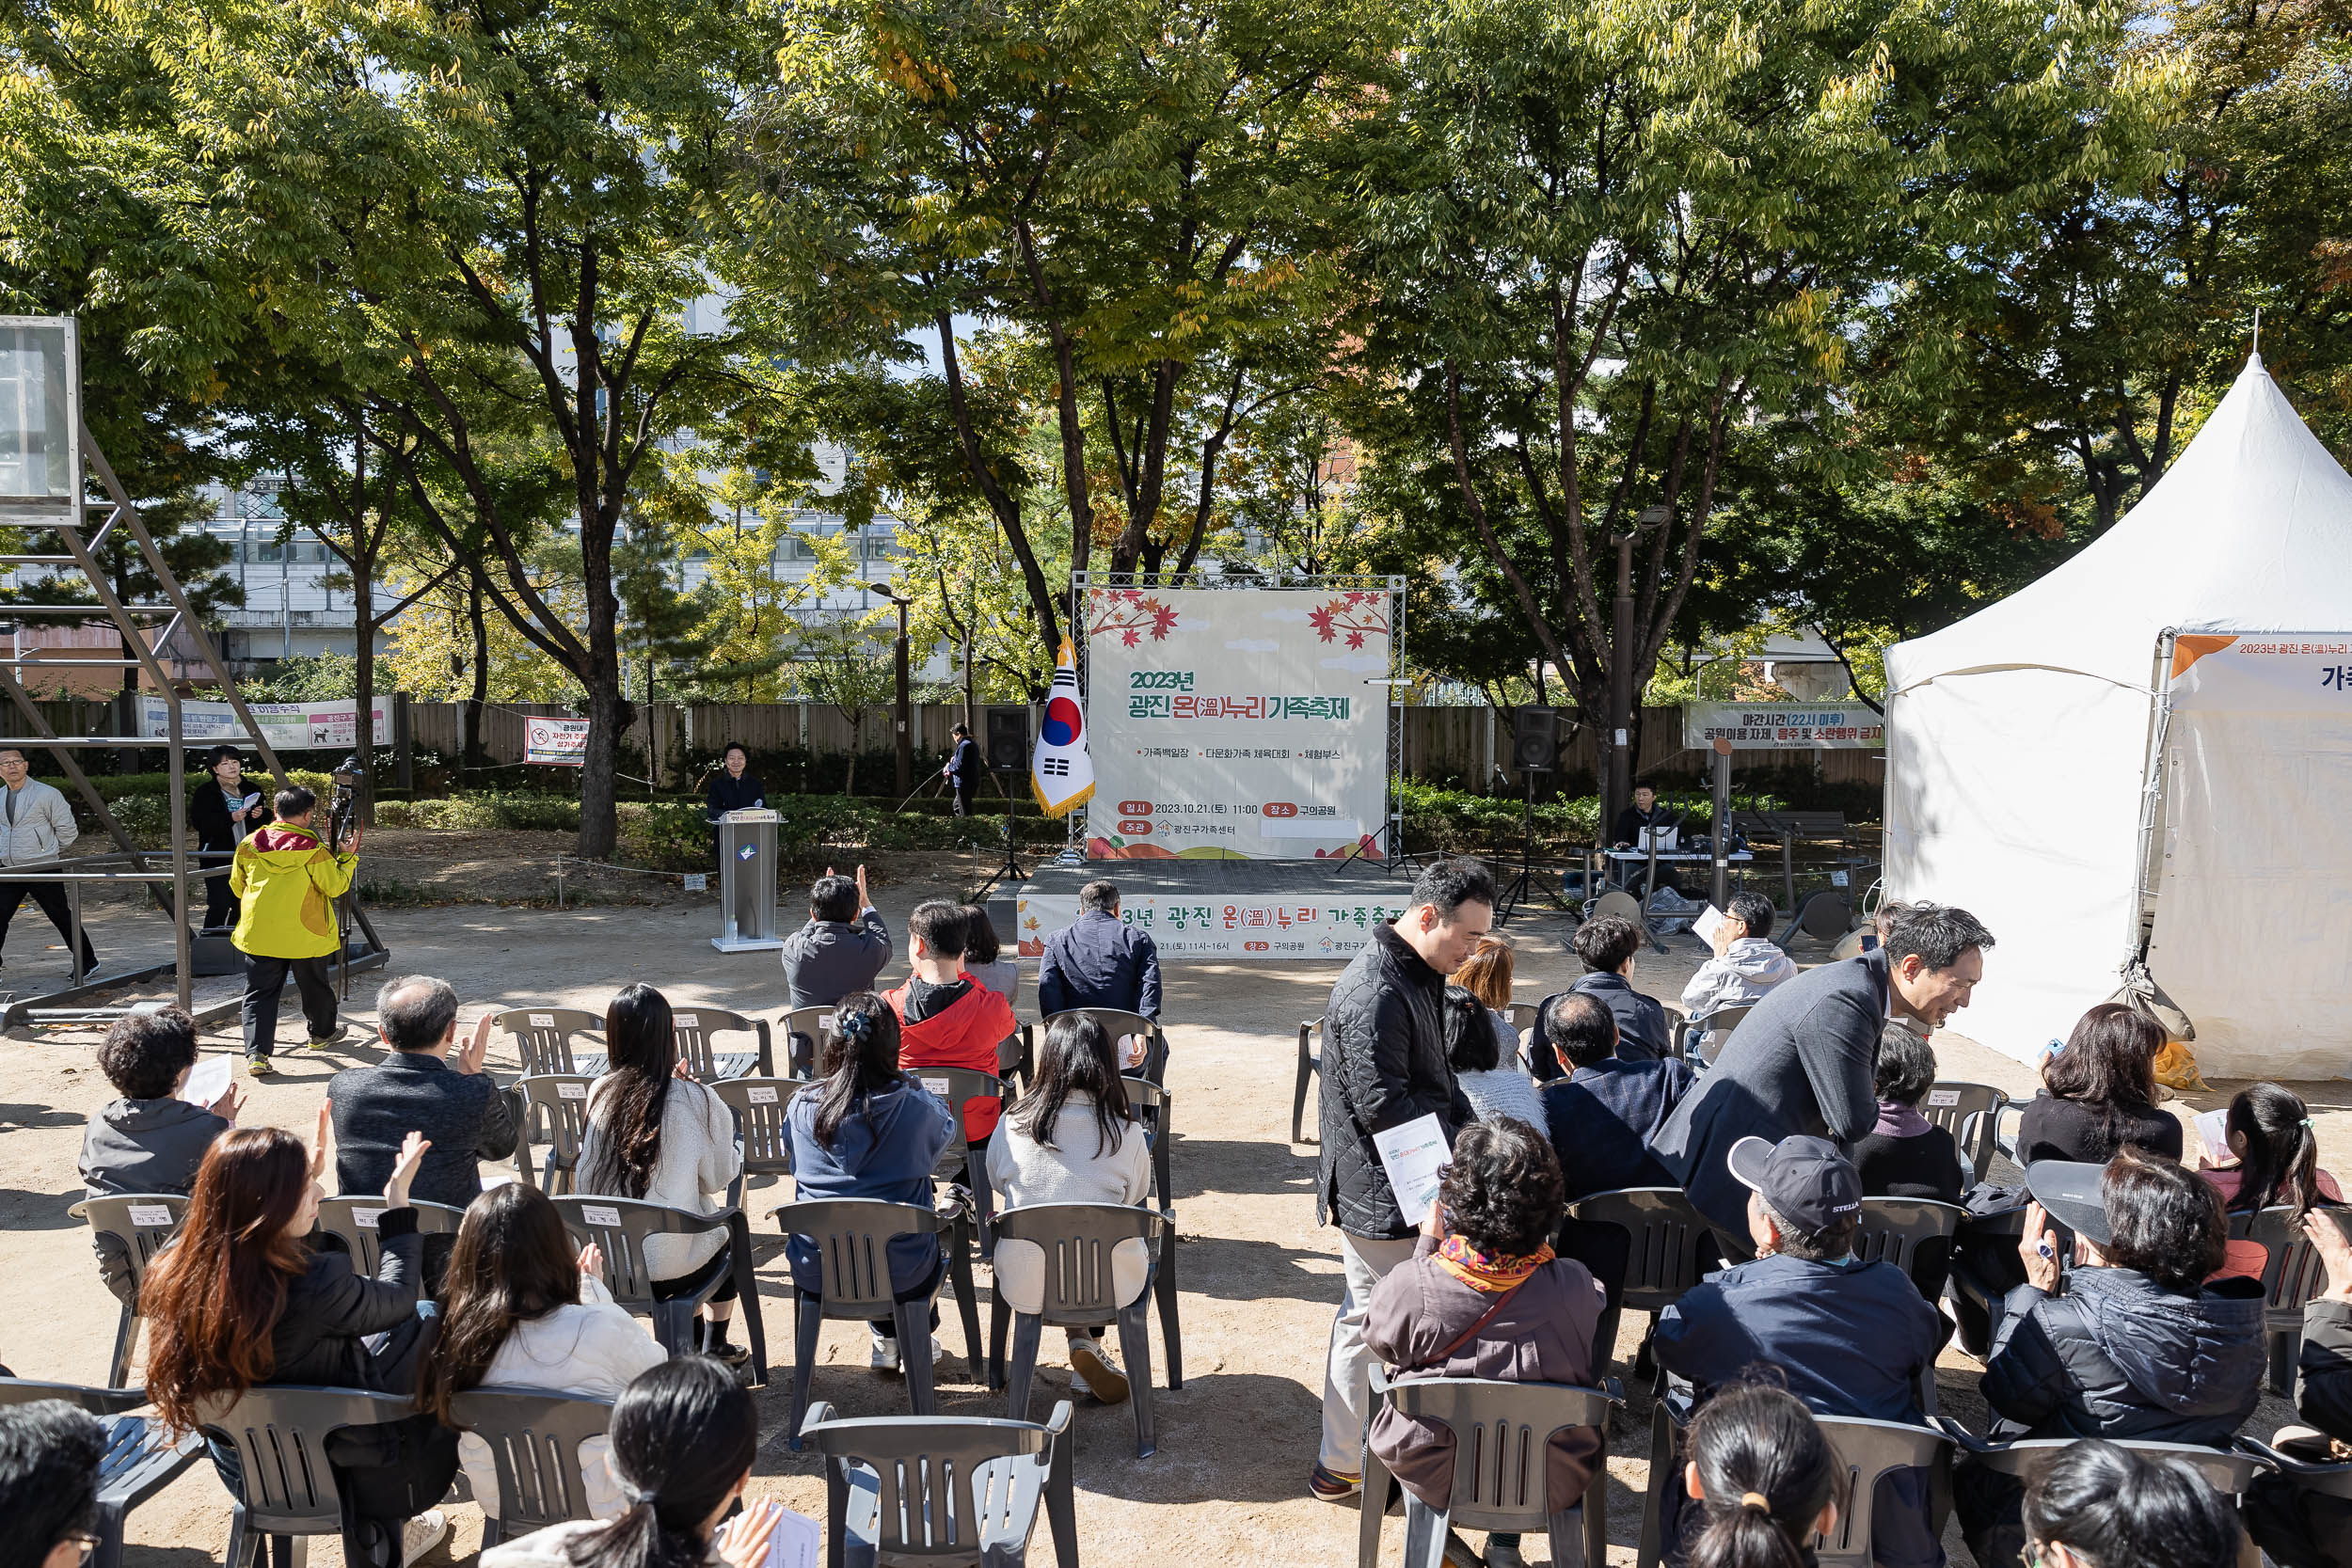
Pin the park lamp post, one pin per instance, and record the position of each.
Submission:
(1620, 784)
(906, 734)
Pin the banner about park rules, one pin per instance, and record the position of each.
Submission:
(1238, 723)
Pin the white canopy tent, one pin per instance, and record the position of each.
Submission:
(2022, 741)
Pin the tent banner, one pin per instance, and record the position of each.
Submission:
(555, 742)
(293, 727)
(1784, 727)
(2262, 673)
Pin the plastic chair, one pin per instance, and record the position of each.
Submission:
(1913, 1233)
(956, 1085)
(543, 1038)
(139, 1461)
(620, 1227)
(1157, 1108)
(1309, 1064)
(2293, 1277)
(2327, 1480)
(354, 1219)
(760, 1126)
(534, 1436)
(1667, 1239)
(1077, 1239)
(558, 1102)
(695, 1025)
(144, 1223)
(1501, 1461)
(1971, 1113)
(804, 1031)
(280, 1434)
(852, 1238)
(2226, 1471)
(1723, 1021)
(1116, 1023)
(945, 1489)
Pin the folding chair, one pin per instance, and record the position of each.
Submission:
(1913, 1233)
(279, 1433)
(761, 1126)
(852, 1238)
(1116, 1023)
(695, 1025)
(804, 1032)
(558, 1102)
(2293, 1277)
(1971, 1113)
(140, 1460)
(144, 1223)
(1501, 1464)
(945, 1489)
(543, 1038)
(534, 1436)
(1309, 1064)
(1667, 1239)
(1077, 1239)
(1157, 1108)
(355, 1220)
(620, 1228)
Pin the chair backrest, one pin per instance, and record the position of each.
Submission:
(948, 1484)
(1077, 1239)
(1897, 1230)
(2295, 1272)
(1667, 1235)
(2226, 1472)
(806, 1029)
(1971, 1113)
(98, 1402)
(563, 1097)
(1149, 1103)
(1867, 1451)
(695, 1025)
(956, 1084)
(543, 1036)
(760, 1105)
(853, 1240)
(355, 1219)
(280, 1434)
(144, 1223)
(1524, 1015)
(619, 1226)
(534, 1436)
(1501, 1434)
(1116, 1023)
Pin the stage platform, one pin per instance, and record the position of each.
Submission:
(1221, 908)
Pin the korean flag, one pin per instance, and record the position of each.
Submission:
(1061, 774)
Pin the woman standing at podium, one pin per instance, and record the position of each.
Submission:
(734, 787)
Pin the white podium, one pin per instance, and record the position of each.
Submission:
(747, 882)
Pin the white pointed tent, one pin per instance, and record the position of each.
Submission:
(2021, 744)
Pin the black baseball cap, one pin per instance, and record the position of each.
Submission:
(1805, 1180)
(2071, 1192)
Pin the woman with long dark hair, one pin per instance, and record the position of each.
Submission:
(1763, 1477)
(522, 1309)
(869, 1131)
(2096, 1505)
(2099, 1093)
(684, 1436)
(2273, 1155)
(989, 964)
(655, 1133)
(1072, 1139)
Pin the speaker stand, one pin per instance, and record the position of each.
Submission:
(1009, 872)
(1522, 886)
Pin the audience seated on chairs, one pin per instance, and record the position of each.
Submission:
(1487, 974)
(1483, 1296)
(1493, 1082)
(427, 1084)
(2132, 1342)
(149, 1141)
(1606, 946)
(2097, 1505)
(945, 1019)
(871, 1131)
(984, 958)
(1763, 1479)
(1099, 960)
(1072, 1139)
(523, 1309)
(2300, 1528)
(655, 1133)
(50, 1452)
(243, 1298)
(2099, 1093)
(1602, 1116)
(2272, 1158)
(841, 949)
(1850, 1339)
(1906, 1155)
(1745, 966)
(684, 1437)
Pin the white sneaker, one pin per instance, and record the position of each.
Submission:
(421, 1534)
(1093, 1370)
(885, 1357)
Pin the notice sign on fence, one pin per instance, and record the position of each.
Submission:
(292, 726)
(1784, 727)
(556, 742)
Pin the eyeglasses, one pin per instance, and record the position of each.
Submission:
(89, 1542)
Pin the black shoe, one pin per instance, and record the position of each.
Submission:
(729, 1355)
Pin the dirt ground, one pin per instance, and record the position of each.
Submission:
(1260, 1280)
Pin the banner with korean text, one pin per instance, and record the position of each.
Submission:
(1242, 723)
(555, 742)
(1317, 924)
(290, 727)
(1784, 727)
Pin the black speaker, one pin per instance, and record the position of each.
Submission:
(1009, 739)
(1535, 738)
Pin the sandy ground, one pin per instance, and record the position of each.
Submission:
(1259, 1279)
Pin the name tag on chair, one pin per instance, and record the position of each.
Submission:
(543, 1020)
(760, 1096)
(150, 1213)
(595, 1213)
(367, 1219)
(571, 1091)
(935, 1085)
(686, 1020)
(1941, 1098)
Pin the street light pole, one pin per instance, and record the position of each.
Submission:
(906, 736)
(1619, 793)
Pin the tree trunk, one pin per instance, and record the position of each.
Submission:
(600, 775)
(478, 700)
(363, 661)
(848, 776)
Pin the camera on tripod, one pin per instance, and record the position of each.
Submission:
(348, 777)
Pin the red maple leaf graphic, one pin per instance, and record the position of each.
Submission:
(1321, 620)
(1354, 638)
(1127, 637)
(1163, 622)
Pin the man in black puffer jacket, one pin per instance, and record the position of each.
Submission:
(1384, 1064)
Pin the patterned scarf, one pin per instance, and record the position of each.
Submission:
(1494, 1274)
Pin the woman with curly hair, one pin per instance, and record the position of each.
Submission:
(1483, 1297)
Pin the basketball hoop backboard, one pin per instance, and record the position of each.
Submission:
(41, 418)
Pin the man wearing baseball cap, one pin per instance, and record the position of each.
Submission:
(1848, 1338)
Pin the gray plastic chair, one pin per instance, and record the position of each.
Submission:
(1906, 1232)
(144, 1223)
(280, 1434)
(557, 1103)
(1501, 1463)
(2292, 1277)
(534, 1436)
(1116, 1023)
(2327, 1480)
(1309, 1064)
(140, 1460)
(695, 1025)
(760, 1126)
(2227, 1471)
(1077, 1239)
(957, 1084)
(804, 1032)
(1971, 1113)
(543, 1038)
(620, 1226)
(1723, 1021)
(1667, 1239)
(355, 1220)
(945, 1489)
(852, 1238)
(1156, 1107)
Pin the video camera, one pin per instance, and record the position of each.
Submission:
(347, 777)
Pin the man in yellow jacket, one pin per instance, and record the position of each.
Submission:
(288, 882)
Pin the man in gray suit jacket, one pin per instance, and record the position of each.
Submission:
(1801, 1062)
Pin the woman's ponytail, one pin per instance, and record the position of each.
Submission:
(2282, 1157)
(1766, 1473)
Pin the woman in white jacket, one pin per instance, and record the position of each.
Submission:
(523, 1310)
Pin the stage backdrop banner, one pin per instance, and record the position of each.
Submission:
(294, 726)
(1309, 924)
(1236, 723)
(1783, 726)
